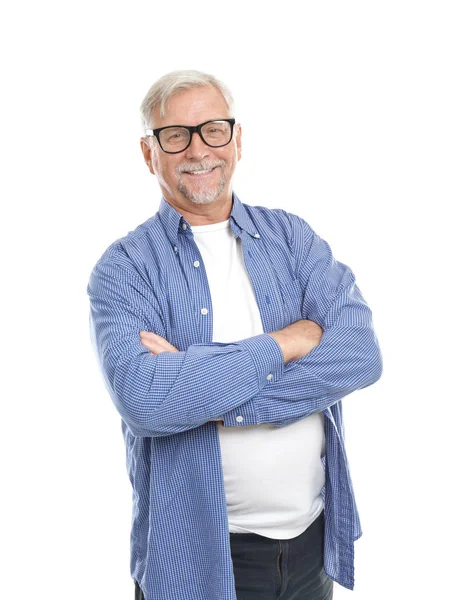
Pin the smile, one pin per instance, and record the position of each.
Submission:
(203, 173)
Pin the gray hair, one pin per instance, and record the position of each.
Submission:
(171, 84)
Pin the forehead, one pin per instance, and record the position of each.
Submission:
(192, 107)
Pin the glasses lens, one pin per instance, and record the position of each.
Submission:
(174, 139)
(217, 133)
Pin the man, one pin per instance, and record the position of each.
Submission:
(233, 424)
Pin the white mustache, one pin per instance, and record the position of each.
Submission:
(200, 167)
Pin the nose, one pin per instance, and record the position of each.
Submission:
(197, 149)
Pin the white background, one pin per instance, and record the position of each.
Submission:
(345, 110)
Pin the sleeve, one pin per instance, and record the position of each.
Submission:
(348, 357)
(164, 394)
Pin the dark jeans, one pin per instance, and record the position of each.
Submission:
(268, 569)
(139, 595)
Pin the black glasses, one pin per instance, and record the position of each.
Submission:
(177, 138)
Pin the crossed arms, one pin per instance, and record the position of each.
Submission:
(171, 391)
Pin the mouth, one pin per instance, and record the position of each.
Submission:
(200, 174)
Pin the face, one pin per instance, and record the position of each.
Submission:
(175, 171)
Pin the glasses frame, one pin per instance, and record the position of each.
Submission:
(192, 129)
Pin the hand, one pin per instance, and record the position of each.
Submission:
(155, 343)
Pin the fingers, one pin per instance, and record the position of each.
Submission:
(155, 342)
(149, 340)
(148, 344)
(148, 335)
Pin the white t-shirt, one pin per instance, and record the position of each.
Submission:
(273, 476)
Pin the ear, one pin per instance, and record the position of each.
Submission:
(147, 153)
(238, 140)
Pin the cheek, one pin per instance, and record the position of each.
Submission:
(231, 161)
(168, 170)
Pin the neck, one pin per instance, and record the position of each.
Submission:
(203, 214)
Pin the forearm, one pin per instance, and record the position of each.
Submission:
(321, 378)
(173, 391)
(347, 358)
(295, 341)
(176, 391)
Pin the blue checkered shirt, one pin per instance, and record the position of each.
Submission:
(180, 544)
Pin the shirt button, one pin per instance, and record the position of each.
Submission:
(269, 377)
(257, 235)
(204, 311)
(175, 248)
(239, 418)
(184, 226)
(196, 263)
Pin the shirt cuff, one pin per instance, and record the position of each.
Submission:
(267, 356)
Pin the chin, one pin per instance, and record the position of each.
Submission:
(202, 196)
(202, 200)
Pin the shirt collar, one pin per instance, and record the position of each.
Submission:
(173, 221)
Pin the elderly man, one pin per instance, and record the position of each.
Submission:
(227, 335)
